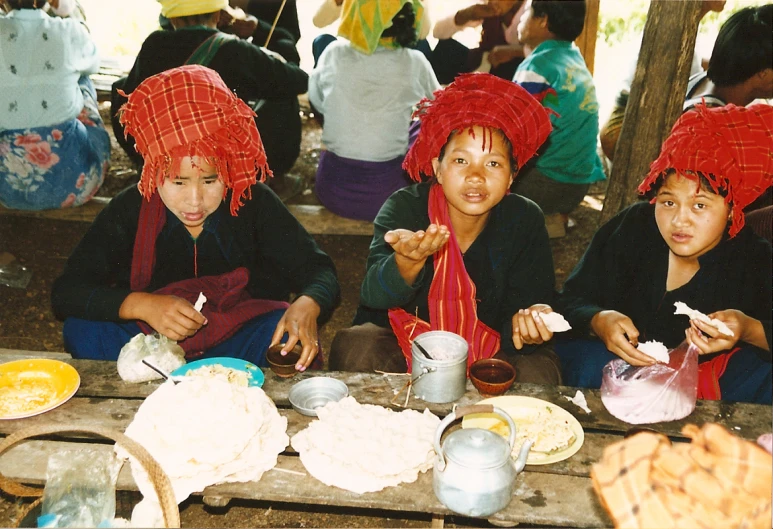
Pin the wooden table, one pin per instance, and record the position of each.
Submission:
(560, 494)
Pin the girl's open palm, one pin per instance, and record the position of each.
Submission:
(417, 246)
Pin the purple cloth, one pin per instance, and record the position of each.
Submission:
(356, 189)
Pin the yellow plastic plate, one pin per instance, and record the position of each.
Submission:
(31, 387)
(512, 405)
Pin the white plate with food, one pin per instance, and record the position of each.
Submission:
(556, 433)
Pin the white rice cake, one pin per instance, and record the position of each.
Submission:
(555, 322)
(655, 350)
(682, 308)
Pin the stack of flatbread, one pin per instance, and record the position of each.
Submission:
(365, 448)
(204, 431)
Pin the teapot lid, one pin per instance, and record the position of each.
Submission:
(476, 448)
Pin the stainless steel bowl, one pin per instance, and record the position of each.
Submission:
(308, 395)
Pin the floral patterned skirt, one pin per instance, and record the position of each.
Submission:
(55, 167)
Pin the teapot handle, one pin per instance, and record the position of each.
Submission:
(458, 413)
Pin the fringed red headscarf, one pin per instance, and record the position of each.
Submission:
(189, 111)
(471, 100)
(731, 146)
(478, 99)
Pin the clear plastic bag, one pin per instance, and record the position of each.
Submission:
(651, 394)
(12, 272)
(158, 350)
(80, 489)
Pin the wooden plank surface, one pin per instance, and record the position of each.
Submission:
(117, 414)
(100, 379)
(555, 500)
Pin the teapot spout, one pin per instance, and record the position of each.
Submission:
(520, 461)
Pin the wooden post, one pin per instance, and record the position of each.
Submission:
(587, 39)
(657, 95)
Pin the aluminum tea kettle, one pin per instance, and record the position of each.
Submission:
(474, 474)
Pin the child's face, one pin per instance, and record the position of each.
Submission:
(194, 194)
(691, 220)
(474, 180)
(532, 31)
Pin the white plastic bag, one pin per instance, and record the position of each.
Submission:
(158, 350)
(651, 394)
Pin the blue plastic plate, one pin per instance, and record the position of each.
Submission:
(254, 373)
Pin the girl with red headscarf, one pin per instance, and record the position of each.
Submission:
(688, 244)
(458, 253)
(198, 222)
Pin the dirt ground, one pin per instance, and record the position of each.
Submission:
(42, 245)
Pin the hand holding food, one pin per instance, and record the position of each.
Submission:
(528, 326)
(171, 316)
(620, 335)
(682, 308)
(709, 338)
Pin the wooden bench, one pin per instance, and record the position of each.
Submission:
(316, 219)
(560, 494)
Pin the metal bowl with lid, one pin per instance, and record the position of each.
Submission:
(309, 394)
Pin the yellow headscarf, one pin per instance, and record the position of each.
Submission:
(363, 21)
(185, 8)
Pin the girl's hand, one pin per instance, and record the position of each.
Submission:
(708, 339)
(621, 336)
(528, 327)
(413, 248)
(171, 316)
(417, 246)
(300, 323)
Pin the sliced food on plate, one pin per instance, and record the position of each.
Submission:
(557, 435)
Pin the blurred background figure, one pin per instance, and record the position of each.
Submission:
(560, 176)
(610, 131)
(259, 77)
(494, 54)
(54, 149)
(365, 87)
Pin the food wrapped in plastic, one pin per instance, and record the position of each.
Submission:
(651, 394)
(158, 349)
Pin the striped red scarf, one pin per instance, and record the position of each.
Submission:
(451, 300)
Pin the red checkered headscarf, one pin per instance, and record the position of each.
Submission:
(731, 146)
(478, 99)
(189, 111)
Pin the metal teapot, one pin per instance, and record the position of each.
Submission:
(474, 474)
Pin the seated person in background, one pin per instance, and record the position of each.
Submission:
(494, 54)
(568, 163)
(366, 87)
(54, 149)
(148, 254)
(235, 21)
(266, 11)
(690, 246)
(458, 253)
(329, 12)
(740, 68)
(262, 80)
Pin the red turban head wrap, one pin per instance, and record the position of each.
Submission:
(477, 99)
(731, 146)
(189, 111)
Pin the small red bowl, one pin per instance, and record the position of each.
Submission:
(283, 366)
(492, 376)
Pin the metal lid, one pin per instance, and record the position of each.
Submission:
(476, 448)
